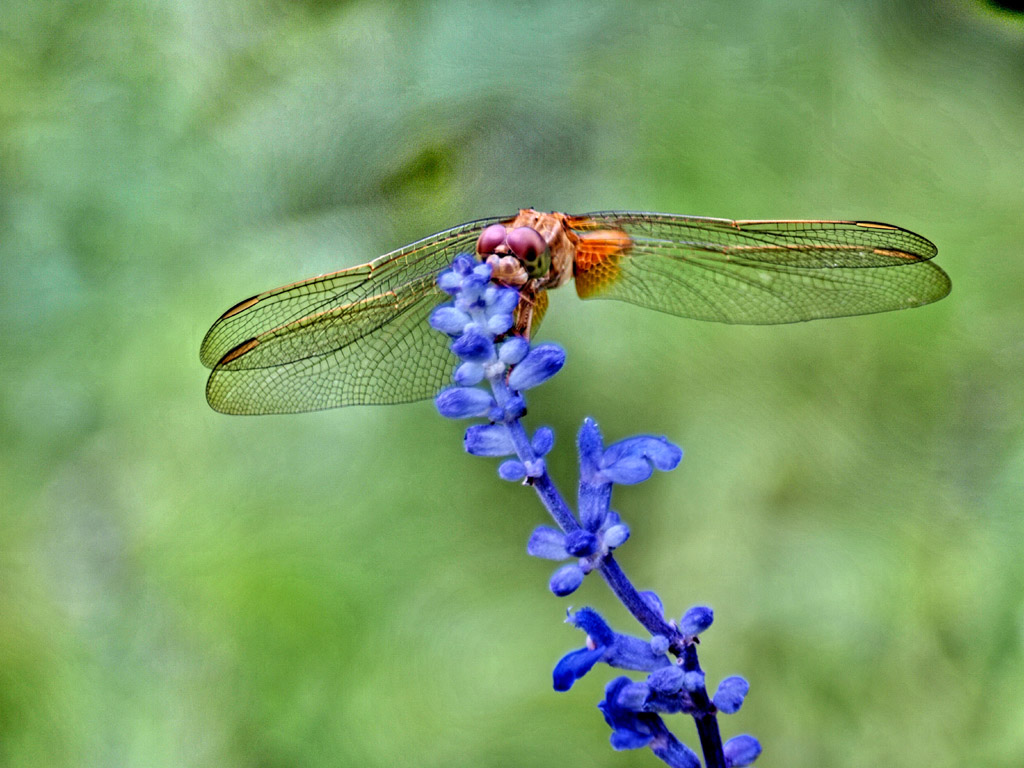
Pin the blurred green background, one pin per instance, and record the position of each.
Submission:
(181, 588)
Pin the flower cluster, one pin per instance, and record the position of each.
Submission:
(479, 320)
(480, 312)
(628, 461)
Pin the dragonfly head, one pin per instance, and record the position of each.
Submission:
(522, 249)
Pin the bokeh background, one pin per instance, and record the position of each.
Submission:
(181, 588)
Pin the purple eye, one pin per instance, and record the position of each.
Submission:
(492, 238)
(527, 244)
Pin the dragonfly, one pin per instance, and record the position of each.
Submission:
(360, 336)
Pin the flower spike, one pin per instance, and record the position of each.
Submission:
(495, 368)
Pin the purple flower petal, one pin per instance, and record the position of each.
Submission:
(741, 750)
(615, 536)
(566, 580)
(633, 696)
(538, 366)
(573, 666)
(696, 620)
(693, 680)
(512, 470)
(501, 301)
(628, 470)
(464, 402)
(547, 543)
(580, 543)
(514, 408)
(628, 652)
(498, 324)
(468, 374)
(667, 679)
(513, 350)
(463, 264)
(659, 644)
(730, 694)
(473, 347)
(450, 320)
(673, 752)
(659, 451)
(597, 628)
(590, 448)
(543, 441)
(623, 738)
(651, 598)
(489, 440)
(449, 281)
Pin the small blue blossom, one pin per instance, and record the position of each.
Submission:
(489, 440)
(543, 441)
(653, 602)
(628, 461)
(580, 543)
(480, 312)
(634, 729)
(547, 543)
(450, 320)
(539, 365)
(566, 580)
(501, 302)
(696, 620)
(474, 347)
(673, 752)
(693, 680)
(614, 533)
(659, 644)
(464, 402)
(617, 650)
(667, 679)
(468, 374)
(741, 750)
(630, 729)
(730, 694)
(512, 470)
(589, 546)
(513, 350)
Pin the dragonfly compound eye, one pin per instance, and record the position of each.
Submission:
(531, 250)
(492, 238)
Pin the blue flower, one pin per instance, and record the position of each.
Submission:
(730, 694)
(464, 402)
(541, 444)
(489, 440)
(604, 644)
(566, 580)
(741, 750)
(696, 620)
(634, 729)
(630, 729)
(474, 346)
(538, 366)
(590, 547)
(626, 462)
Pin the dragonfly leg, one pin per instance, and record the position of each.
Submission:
(533, 303)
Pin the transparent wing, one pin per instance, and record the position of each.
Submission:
(358, 336)
(759, 272)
